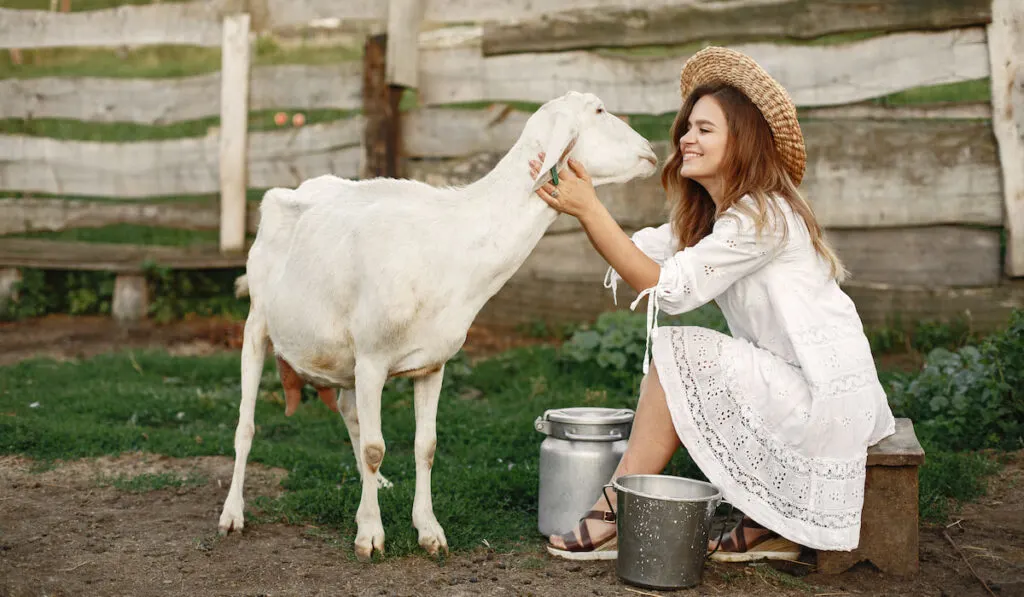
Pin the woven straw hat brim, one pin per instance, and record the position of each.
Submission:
(723, 65)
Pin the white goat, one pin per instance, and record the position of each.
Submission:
(356, 282)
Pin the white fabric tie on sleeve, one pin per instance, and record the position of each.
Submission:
(652, 320)
(611, 282)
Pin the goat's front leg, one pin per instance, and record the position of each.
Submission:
(427, 390)
(350, 414)
(254, 348)
(370, 379)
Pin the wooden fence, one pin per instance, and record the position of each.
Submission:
(921, 201)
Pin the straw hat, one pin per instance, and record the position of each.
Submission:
(722, 65)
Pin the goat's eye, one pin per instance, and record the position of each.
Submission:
(600, 110)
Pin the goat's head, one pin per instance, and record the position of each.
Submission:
(577, 125)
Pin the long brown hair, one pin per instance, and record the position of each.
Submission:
(751, 166)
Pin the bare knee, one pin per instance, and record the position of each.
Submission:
(373, 455)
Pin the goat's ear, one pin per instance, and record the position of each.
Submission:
(564, 130)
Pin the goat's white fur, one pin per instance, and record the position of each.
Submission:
(355, 282)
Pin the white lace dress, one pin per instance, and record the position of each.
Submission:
(779, 416)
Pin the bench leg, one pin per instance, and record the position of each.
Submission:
(9, 276)
(889, 526)
(131, 298)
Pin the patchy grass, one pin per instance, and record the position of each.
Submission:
(487, 448)
(159, 60)
(130, 234)
(487, 455)
(78, 130)
(151, 482)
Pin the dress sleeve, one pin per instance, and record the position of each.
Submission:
(656, 243)
(696, 275)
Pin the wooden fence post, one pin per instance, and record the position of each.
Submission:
(390, 65)
(1006, 55)
(234, 123)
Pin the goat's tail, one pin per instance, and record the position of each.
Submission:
(242, 286)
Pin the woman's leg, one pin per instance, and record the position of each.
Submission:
(652, 442)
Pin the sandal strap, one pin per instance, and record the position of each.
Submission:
(736, 540)
(602, 515)
(585, 543)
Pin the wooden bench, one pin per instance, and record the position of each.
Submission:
(128, 262)
(889, 522)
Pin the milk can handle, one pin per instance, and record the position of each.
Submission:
(725, 525)
(615, 434)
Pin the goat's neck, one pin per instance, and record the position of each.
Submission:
(512, 217)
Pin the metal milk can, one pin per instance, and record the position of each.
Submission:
(577, 458)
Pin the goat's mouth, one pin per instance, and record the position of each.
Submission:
(652, 159)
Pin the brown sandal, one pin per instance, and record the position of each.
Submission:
(585, 549)
(770, 545)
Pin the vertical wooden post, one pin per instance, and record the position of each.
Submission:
(402, 62)
(380, 109)
(1006, 56)
(390, 65)
(234, 122)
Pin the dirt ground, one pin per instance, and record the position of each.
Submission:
(64, 532)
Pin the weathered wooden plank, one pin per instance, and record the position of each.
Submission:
(175, 167)
(452, 69)
(47, 254)
(860, 173)
(525, 299)
(32, 215)
(173, 23)
(402, 60)
(162, 101)
(887, 173)
(987, 308)
(930, 256)
(569, 27)
(1006, 49)
(872, 111)
(383, 133)
(234, 131)
(899, 449)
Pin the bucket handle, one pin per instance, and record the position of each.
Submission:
(725, 525)
(611, 509)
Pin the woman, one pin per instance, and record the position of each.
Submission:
(778, 415)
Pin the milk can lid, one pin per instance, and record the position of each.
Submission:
(589, 415)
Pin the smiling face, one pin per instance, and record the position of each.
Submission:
(704, 143)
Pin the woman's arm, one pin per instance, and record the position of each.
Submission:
(637, 269)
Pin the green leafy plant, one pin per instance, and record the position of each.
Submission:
(971, 398)
(615, 343)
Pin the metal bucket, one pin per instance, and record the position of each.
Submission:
(663, 525)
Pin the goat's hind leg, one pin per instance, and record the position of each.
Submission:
(370, 379)
(350, 414)
(254, 348)
(427, 391)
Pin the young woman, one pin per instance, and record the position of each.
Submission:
(780, 414)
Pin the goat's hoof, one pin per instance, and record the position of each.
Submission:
(230, 521)
(367, 543)
(383, 483)
(432, 539)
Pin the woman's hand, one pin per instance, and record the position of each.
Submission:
(574, 195)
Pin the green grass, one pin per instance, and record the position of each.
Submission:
(77, 5)
(159, 60)
(485, 474)
(151, 481)
(130, 234)
(127, 132)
